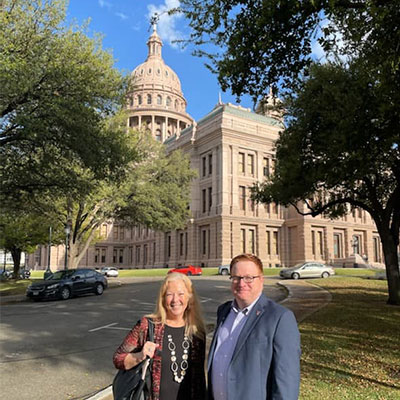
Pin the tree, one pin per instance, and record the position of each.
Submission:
(22, 232)
(346, 140)
(57, 86)
(255, 44)
(354, 150)
(154, 192)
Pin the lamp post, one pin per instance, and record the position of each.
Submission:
(48, 269)
(67, 230)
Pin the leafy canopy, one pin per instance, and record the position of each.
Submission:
(57, 88)
(255, 44)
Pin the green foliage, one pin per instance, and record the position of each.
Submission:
(346, 148)
(344, 130)
(255, 44)
(57, 87)
(21, 231)
(152, 190)
(159, 191)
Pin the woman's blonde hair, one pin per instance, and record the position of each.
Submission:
(194, 324)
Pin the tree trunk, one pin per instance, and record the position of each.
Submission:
(78, 249)
(392, 265)
(392, 271)
(16, 255)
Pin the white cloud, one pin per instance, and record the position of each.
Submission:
(103, 3)
(166, 26)
(121, 15)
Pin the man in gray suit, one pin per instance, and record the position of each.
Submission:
(255, 351)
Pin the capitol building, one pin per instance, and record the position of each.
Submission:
(231, 148)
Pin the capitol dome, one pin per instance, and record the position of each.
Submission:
(156, 99)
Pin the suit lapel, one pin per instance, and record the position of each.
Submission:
(255, 314)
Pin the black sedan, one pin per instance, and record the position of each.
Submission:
(65, 284)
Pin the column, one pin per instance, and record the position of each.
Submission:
(214, 181)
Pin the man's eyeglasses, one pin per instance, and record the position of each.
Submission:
(246, 279)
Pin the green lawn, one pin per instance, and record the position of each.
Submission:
(351, 347)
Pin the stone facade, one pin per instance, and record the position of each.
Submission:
(231, 148)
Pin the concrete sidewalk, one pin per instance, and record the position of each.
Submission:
(304, 299)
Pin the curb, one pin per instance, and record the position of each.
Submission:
(104, 394)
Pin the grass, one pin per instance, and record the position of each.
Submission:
(355, 272)
(351, 347)
(12, 287)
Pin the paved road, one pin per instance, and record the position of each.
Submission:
(62, 349)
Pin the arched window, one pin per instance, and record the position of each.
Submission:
(159, 99)
(168, 101)
(149, 99)
(158, 135)
(139, 99)
(131, 101)
(176, 104)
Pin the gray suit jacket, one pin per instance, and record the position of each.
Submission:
(266, 362)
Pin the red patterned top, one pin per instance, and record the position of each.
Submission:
(134, 342)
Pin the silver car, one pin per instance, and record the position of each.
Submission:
(307, 270)
(110, 272)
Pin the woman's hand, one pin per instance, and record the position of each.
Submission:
(148, 350)
(133, 359)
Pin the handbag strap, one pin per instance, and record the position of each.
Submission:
(150, 330)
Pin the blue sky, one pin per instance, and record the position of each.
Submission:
(126, 28)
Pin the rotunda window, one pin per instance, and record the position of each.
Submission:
(139, 98)
(141, 71)
(166, 73)
(149, 99)
(149, 71)
(158, 71)
(168, 101)
(176, 104)
(159, 100)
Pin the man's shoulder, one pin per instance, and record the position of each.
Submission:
(271, 306)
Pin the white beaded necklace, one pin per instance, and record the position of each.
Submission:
(184, 362)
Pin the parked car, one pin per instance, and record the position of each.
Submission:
(187, 270)
(224, 269)
(24, 273)
(67, 283)
(109, 271)
(307, 270)
(9, 274)
(5, 274)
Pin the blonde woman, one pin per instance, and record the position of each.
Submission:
(178, 350)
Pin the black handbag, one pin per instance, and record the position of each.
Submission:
(135, 383)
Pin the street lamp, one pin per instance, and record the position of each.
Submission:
(67, 230)
(48, 269)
